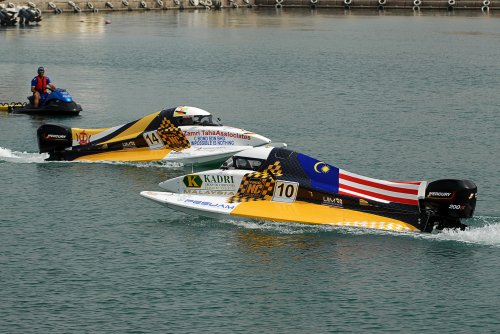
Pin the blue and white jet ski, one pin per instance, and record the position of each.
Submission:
(58, 102)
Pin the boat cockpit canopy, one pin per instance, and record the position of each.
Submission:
(202, 120)
(243, 163)
(184, 116)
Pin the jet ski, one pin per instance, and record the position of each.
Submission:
(277, 184)
(58, 102)
(183, 134)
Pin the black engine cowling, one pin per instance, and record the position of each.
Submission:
(53, 138)
(449, 200)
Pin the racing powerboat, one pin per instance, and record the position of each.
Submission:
(277, 184)
(58, 102)
(182, 134)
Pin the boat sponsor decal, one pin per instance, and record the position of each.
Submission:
(83, 138)
(217, 179)
(254, 187)
(217, 133)
(52, 136)
(441, 195)
(128, 144)
(258, 185)
(192, 181)
(209, 192)
(332, 201)
(211, 140)
(172, 136)
(210, 204)
(285, 191)
(220, 182)
(209, 182)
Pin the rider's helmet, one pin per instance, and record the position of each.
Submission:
(41, 70)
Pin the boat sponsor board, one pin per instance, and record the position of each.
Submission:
(215, 137)
(211, 140)
(207, 183)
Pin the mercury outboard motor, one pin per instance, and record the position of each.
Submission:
(449, 200)
(53, 138)
(8, 17)
(28, 15)
(3, 16)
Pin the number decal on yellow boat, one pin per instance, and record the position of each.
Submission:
(285, 191)
(153, 139)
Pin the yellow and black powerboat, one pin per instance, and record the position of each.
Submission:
(181, 134)
(277, 184)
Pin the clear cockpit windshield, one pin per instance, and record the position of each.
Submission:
(202, 120)
(242, 163)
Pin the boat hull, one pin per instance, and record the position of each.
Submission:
(297, 212)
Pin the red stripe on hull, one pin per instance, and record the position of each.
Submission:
(376, 195)
(378, 185)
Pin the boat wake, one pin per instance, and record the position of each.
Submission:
(485, 232)
(8, 155)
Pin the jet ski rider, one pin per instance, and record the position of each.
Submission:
(39, 86)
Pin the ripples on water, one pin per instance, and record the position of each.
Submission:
(484, 230)
(398, 97)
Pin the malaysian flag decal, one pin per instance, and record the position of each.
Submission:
(325, 177)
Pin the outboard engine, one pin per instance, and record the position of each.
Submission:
(449, 200)
(53, 138)
(28, 15)
(3, 16)
(8, 17)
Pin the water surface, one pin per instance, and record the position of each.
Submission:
(389, 96)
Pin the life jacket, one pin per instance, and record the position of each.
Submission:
(41, 84)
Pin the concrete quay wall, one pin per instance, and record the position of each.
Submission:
(70, 6)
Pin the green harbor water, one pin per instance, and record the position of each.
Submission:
(391, 96)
